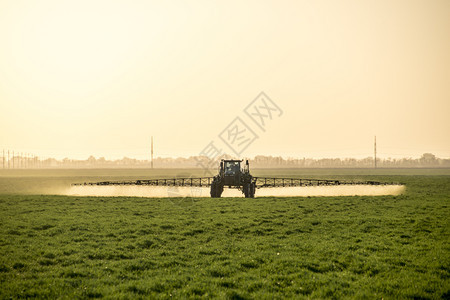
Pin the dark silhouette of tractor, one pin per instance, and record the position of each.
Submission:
(232, 176)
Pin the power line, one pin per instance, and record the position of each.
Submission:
(375, 152)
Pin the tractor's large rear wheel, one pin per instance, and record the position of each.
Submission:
(213, 190)
(249, 190)
(216, 189)
(252, 190)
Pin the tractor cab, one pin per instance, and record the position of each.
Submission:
(231, 170)
(232, 167)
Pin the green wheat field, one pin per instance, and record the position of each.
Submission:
(360, 247)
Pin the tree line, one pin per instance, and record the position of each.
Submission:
(427, 160)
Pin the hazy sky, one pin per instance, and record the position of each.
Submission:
(101, 77)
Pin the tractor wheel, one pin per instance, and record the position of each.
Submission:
(219, 190)
(247, 190)
(252, 189)
(216, 189)
(213, 190)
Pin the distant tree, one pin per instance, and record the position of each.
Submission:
(66, 161)
(428, 159)
(91, 160)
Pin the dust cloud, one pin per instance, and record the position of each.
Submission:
(162, 192)
(136, 191)
(342, 190)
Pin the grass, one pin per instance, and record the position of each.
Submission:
(235, 248)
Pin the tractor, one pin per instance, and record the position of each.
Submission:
(232, 176)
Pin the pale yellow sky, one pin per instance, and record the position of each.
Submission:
(101, 77)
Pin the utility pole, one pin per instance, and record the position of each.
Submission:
(152, 153)
(8, 159)
(3, 158)
(375, 152)
(13, 160)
